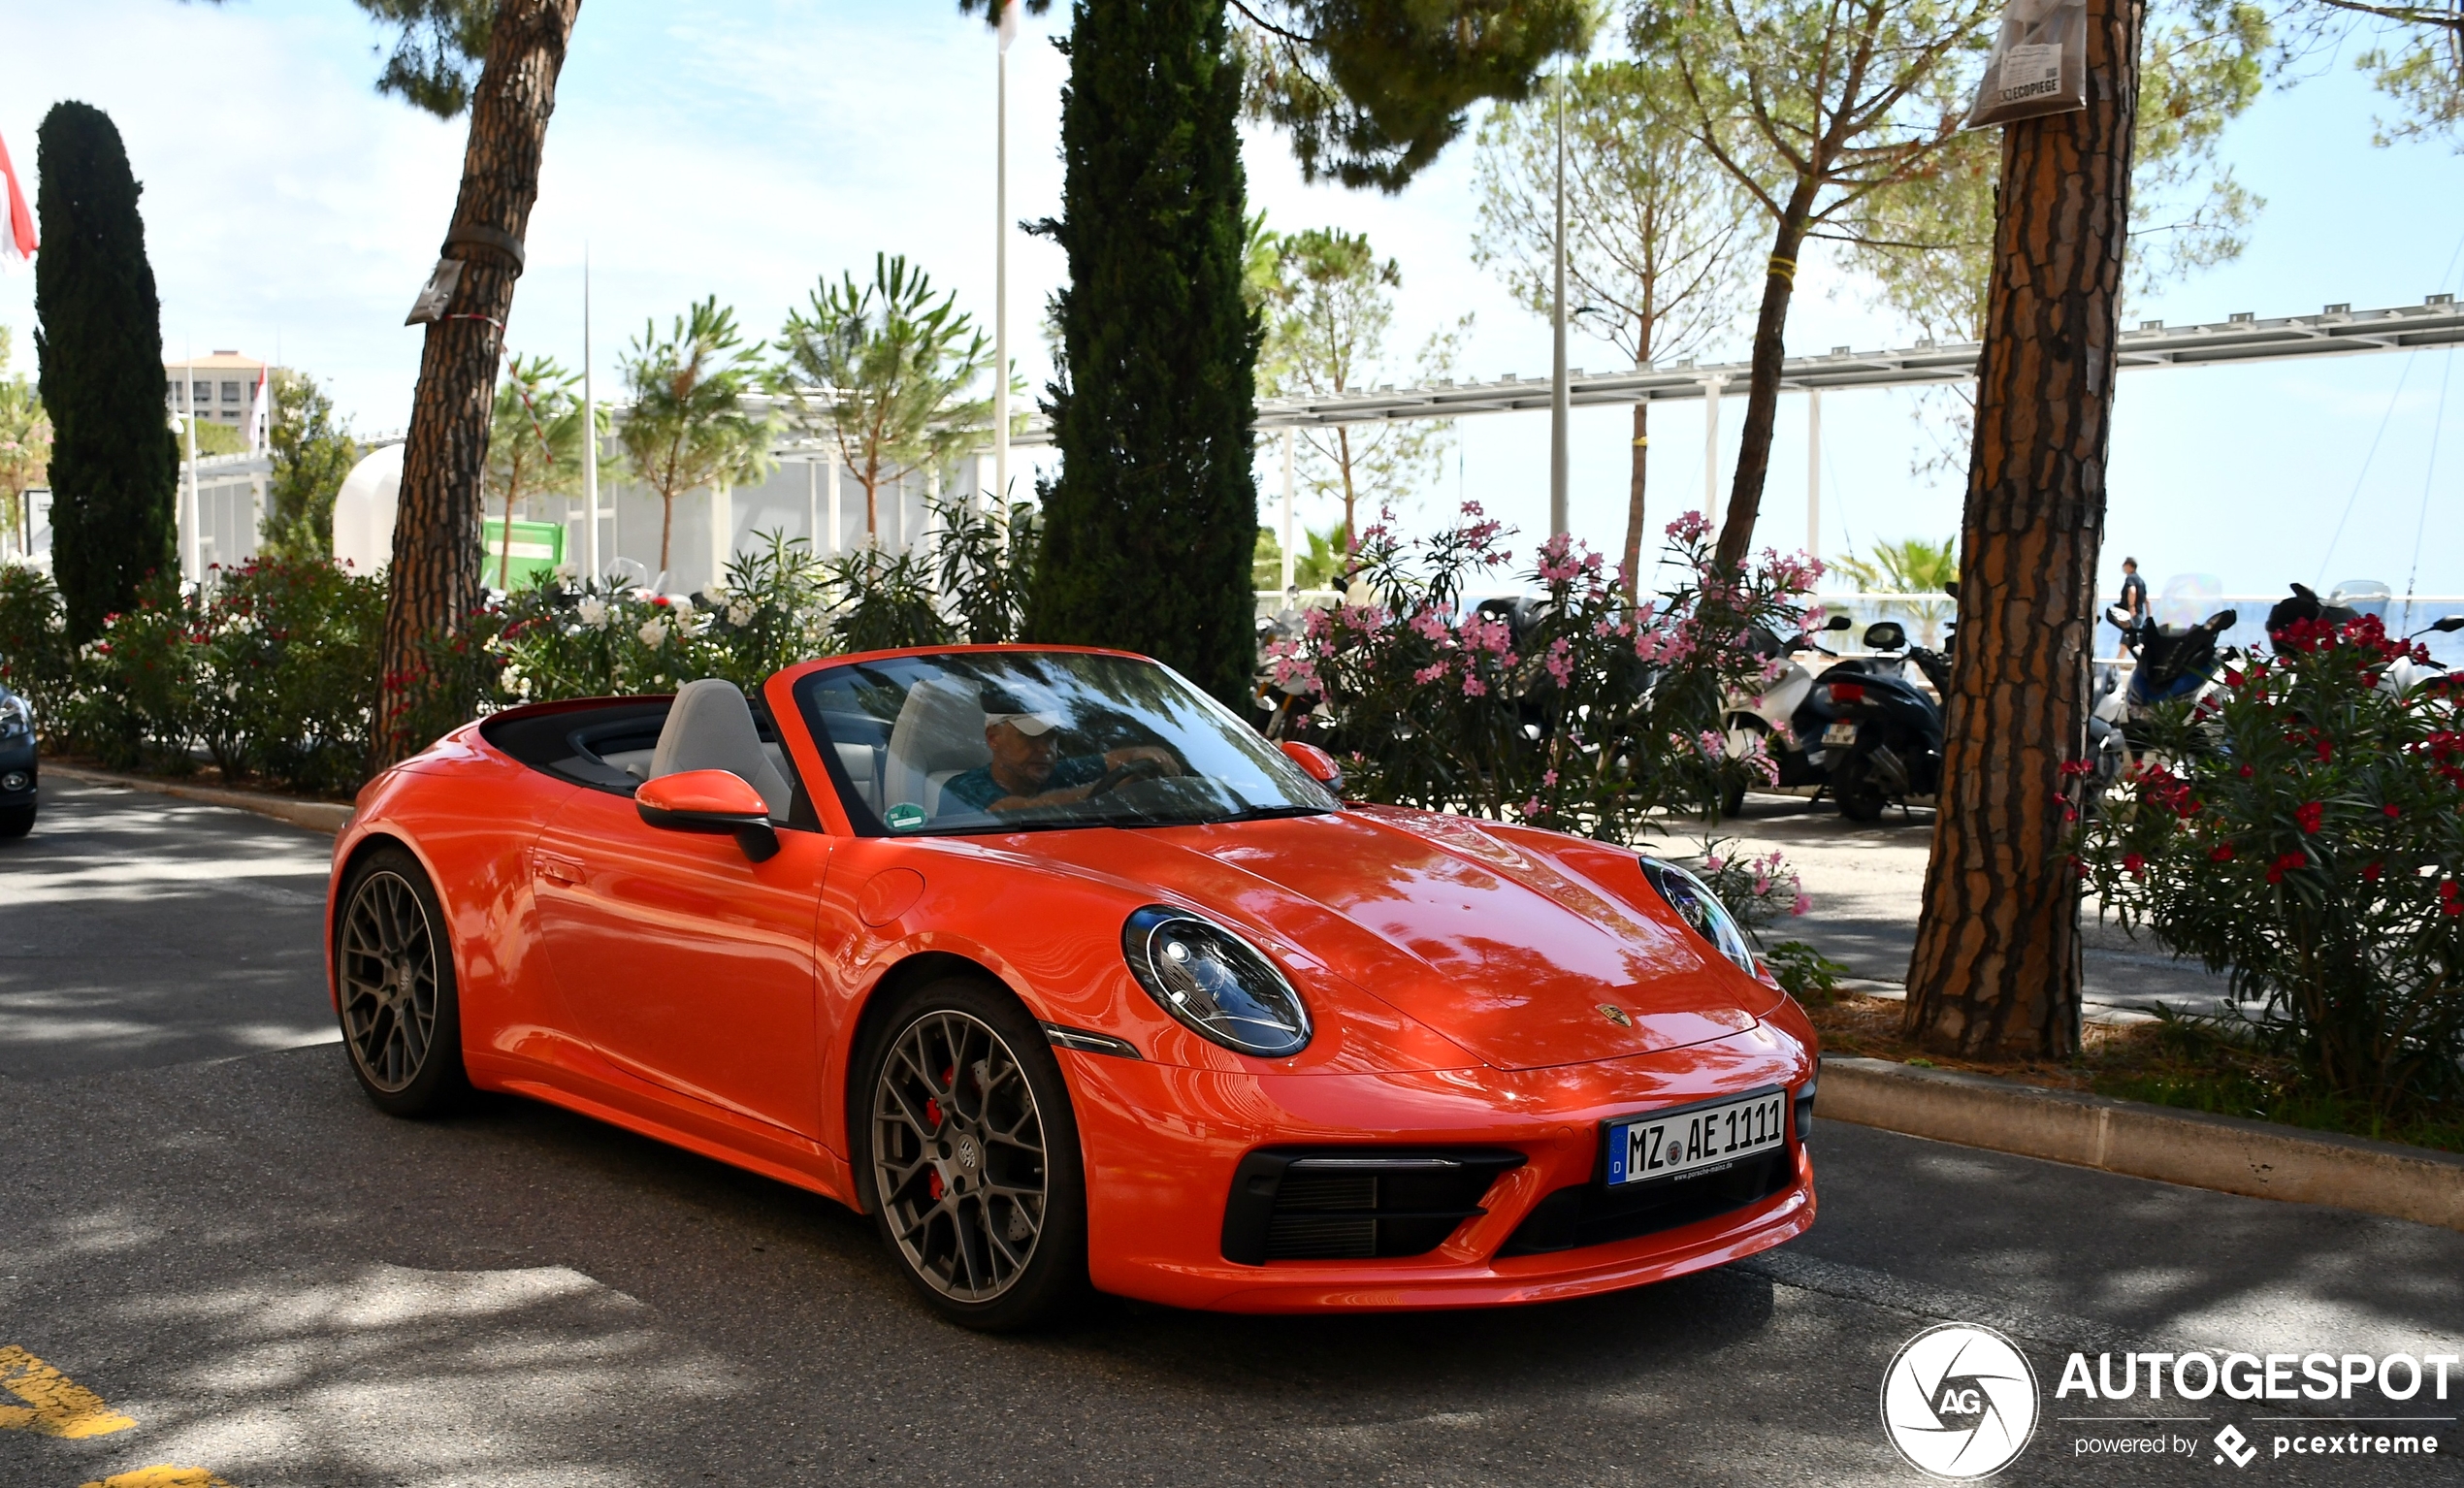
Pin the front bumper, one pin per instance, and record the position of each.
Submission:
(1163, 1144)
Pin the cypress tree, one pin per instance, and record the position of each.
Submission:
(114, 466)
(1150, 527)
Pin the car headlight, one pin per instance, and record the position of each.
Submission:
(1698, 906)
(1216, 984)
(16, 716)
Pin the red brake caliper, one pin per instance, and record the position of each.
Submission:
(932, 1113)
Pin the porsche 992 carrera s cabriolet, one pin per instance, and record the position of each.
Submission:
(1052, 966)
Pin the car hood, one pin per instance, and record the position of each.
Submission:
(1512, 945)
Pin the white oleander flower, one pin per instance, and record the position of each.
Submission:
(654, 633)
(565, 572)
(682, 606)
(739, 613)
(591, 611)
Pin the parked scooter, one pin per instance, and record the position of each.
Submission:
(1877, 736)
(1765, 720)
(2344, 605)
(2175, 664)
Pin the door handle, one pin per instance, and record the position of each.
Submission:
(555, 868)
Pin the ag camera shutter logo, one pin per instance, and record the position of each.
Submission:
(1960, 1401)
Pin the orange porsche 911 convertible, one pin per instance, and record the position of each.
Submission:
(1048, 963)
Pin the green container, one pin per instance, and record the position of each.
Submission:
(537, 548)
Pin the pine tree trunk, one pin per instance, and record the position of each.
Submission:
(1996, 971)
(1632, 579)
(437, 575)
(1762, 393)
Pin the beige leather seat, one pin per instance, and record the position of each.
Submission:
(711, 729)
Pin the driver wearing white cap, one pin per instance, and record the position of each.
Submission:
(1028, 770)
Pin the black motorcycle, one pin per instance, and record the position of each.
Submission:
(1877, 736)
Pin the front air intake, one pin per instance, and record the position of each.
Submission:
(1354, 1203)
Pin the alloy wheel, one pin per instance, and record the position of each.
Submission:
(959, 1156)
(389, 980)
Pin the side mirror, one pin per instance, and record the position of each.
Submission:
(1951, 586)
(2449, 625)
(1836, 623)
(2120, 616)
(2223, 621)
(715, 802)
(1314, 762)
(1885, 635)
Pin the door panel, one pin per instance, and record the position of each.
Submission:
(682, 963)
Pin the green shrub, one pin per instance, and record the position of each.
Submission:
(2306, 838)
(36, 660)
(1587, 713)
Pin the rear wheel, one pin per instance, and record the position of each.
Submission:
(1852, 785)
(971, 1159)
(401, 1013)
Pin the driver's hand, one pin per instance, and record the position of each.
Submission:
(1120, 759)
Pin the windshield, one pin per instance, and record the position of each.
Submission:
(996, 742)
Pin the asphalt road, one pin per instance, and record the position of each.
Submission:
(220, 1240)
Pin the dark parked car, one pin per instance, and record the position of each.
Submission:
(17, 764)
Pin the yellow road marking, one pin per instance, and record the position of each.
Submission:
(56, 1406)
(163, 1477)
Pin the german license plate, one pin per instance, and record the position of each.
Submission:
(1695, 1140)
(1838, 734)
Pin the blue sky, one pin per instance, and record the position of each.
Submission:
(746, 148)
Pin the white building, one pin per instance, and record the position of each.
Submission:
(221, 388)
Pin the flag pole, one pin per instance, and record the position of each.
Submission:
(190, 554)
(590, 438)
(1001, 263)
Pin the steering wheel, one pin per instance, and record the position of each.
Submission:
(1143, 767)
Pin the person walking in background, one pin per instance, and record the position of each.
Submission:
(2134, 602)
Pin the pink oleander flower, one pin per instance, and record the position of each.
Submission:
(1430, 673)
(1548, 777)
(1690, 528)
(1429, 626)
(1713, 863)
(1561, 661)
(1473, 686)
(1801, 905)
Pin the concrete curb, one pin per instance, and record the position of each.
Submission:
(2224, 1154)
(325, 816)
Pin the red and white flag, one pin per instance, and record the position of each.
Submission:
(260, 415)
(17, 224)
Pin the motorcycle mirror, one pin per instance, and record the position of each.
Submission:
(2448, 625)
(1836, 623)
(2223, 621)
(1951, 586)
(2118, 615)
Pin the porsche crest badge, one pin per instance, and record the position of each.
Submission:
(1616, 1015)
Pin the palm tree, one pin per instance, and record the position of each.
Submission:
(1910, 566)
(535, 441)
(689, 426)
(895, 366)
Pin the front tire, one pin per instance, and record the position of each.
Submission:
(401, 1009)
(970, 1163)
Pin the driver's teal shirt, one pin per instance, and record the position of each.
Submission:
(978, 788)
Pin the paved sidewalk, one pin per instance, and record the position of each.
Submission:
(1867, 884)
